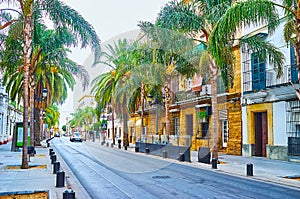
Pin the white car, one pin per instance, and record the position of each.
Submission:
(76, 137)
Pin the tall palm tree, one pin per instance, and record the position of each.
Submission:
(259, 12)
(173, 50)
(203, 21)
(62, 16)
(51, 116)
(51, 69)
(104, 85)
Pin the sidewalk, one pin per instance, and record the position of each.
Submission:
(37, 179)
(276, 171)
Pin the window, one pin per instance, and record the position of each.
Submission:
(204, 129)
(220, 85)
(189, 124)
(258, 65)
(224, 132)
(176, 126)
(293, 119)
(294, 70)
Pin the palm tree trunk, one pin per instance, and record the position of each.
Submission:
(37, 127)
(214, 103)
(167, 106)
(125, 123)
(142, 107)
(113, 123)
(32, 117)
(27, 46)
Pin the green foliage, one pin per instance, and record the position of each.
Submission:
(64, 128)
(202, 114)
(242, 13)
(179, 17)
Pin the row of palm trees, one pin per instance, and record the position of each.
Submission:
(34, 57)
(37, 56)
(188, 37)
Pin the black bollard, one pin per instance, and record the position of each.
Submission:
(181, 157)
(119, 143)
(136, 149)
(51, 153)
(50, 150)
(249, 169)
(56, 167)
(214, 163)
(125, 147)
(165, 154)
(69, 194)
(48, 144)
(60, 178)
(53, 159)
(147, 150)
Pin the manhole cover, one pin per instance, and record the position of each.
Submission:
(161, 177)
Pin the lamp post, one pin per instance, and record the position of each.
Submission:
(42, 112)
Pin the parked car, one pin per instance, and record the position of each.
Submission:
(76, 137)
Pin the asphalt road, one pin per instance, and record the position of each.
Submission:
(113, 173)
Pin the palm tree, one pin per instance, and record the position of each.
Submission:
(220, 61)
(184, 18)
(104, 85)
(173, 50)
(51, 69)
(51, 116)
(259, 12)
(63, 17)
(83, 117)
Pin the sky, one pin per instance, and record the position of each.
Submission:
(109, 18)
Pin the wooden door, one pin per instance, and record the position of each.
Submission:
(261, 134)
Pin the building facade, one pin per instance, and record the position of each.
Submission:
(270, 107)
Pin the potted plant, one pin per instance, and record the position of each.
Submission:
(203, 116)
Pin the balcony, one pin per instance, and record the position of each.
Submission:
(271, 79)
(189, 94)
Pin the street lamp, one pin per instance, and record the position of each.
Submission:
(44, 93)
(43, 116)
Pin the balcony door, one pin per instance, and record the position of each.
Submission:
(258, 64)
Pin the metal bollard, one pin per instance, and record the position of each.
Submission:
(60, 178)
(48, 144)
(50, 150)
(214, 163)
(56, 167)
(53, 159)
(249, 169)
(147, 150)
(136, 149)
(181, 157)
(125, 147)
(69, 194)
(51, 153)
(165, 154)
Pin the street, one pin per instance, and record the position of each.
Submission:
(107, 172)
